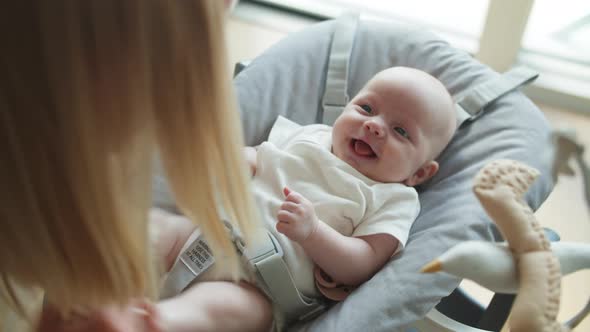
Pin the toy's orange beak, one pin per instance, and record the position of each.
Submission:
(432, 267)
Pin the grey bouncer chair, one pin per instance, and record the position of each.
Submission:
(308, 76)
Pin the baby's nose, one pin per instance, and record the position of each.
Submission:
(374, 128)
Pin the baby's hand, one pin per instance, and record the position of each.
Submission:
(297, 218)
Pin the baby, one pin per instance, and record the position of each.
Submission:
(358, 174)
(339, 199)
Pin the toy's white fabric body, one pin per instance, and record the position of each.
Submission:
(493, 266)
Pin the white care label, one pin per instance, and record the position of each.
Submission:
(198, 256)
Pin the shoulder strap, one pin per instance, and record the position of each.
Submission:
(469, 107)
(472, 105)
(335, 94)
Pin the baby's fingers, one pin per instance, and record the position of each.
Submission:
(284, 228)
(285, 216)
(286, 191)
(289, 229)
(290, 206)
(292, 196)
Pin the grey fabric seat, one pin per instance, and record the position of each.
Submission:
(288, 80)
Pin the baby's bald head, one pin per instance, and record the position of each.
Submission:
(431, 102)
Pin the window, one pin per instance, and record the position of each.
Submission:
(559, 31)
(552, 37)
(460, 29)
(557, 44)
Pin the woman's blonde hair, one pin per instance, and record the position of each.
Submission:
(89, 90)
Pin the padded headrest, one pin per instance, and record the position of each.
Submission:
(288, 79)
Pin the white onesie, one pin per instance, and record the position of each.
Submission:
(300, 158)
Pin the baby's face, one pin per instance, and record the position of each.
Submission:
(397, 123)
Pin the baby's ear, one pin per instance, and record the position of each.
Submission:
(423, 173)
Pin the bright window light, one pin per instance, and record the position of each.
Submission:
(448, 18)
(560, 30)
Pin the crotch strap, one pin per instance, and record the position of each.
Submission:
(265, 259)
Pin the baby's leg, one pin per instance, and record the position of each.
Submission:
(217, 306)
(168, 233)
(206, 305)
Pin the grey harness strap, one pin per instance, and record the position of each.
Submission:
(473, 103)
(264, 257)
(469, 107)
(335, 93)
(194, 259)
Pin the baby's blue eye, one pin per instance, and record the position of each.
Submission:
(367, 108)
(402, 132)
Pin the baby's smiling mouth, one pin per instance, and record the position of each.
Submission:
(362, 149)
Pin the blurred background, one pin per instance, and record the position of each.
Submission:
(552, 37)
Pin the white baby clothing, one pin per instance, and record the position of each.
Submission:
(300, 158)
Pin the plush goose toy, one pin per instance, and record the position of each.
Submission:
(492, 265)
(527, 264)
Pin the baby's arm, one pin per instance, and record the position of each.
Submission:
(250, 154)
(347, 260)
